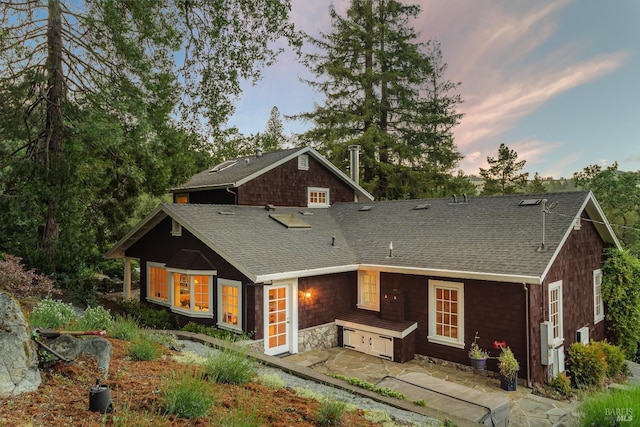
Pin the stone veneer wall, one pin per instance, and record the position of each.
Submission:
(322, 336)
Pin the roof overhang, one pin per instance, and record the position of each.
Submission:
(144, 226)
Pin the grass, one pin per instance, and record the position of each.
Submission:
(187, 396)
(383, 391)
(144, 347)
(611, 408)
(330, 412)
(230, 367)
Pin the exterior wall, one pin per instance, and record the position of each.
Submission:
(331, 295)
(216, 197)
(582, 253)
(287, 186)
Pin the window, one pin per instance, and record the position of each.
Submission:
(157, 282)
(598, 305)
(191, 293)
(446, 313)
(176, 228)
(303, 162)
(369, 290)
(318, 197)
(555, 311)
(230, 304)
(182, 199)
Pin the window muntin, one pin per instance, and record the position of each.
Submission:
(555, 311)
(230, 304)
(191, 293)
(446, 313)
(598, 304)
(369, 290)
(318, 197)
(157, 282)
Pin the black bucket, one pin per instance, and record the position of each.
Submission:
(100, 398)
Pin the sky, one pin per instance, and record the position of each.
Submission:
(558, 81)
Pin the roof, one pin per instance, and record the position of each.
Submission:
(487, 238)
(234, 173)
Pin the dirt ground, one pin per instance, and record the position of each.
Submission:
(136, 393)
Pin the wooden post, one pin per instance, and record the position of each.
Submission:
(126, 291)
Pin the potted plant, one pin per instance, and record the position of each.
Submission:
(508, 366)
(477, 355)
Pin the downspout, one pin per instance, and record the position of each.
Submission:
(235, 196)
(528, 344)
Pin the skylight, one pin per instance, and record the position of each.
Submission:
(530, 202)
(365, 208)
(223, 165)
(421, 206)
(290, 221)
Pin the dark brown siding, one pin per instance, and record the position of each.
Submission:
(582, 253)
(286, 185)
(330, 295)
(216, 197)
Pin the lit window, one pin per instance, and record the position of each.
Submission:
(303, 162)
(369, 290)
(182, 291)
(555, 311)
(318, 197)
(182, 199)
(191, 293)
(598, 305)
(446, 312)
(230, 304)
(157, 282)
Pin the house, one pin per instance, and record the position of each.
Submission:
(391, 278)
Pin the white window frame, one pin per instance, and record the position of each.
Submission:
(598, 303)
(176, 228)
(438, 339)
(153, 298)
(191, 312)
(557, 340)
(303, 162)
(375, 305)
(326, 203)
(220, 321)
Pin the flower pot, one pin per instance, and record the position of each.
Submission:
(508, 384)
(478, 364)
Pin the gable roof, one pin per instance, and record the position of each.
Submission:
(234, 173)
(486, 238)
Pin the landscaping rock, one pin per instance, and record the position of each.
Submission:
(71, 347)
(18, 356)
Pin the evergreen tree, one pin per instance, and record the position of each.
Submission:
(537, 184)
(273, 137)
(386, 92)
(503, 175)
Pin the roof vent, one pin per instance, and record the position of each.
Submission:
(269, 207)
(226, 212)
(365, 208)
(247, 161)
(258, 152)
(421, 206)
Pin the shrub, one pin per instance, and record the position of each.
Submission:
(50, 313)
(146, 315)
(330, 412)
(23, 283)
(616, 364)
(214, 332)
(611, 408)
(588, 364)
(124, 328)
(94, 318)
(561, 384)
(187, 396)
(144, 348)
(272, 381)
(230, 367)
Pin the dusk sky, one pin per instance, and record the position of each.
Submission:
(558, 81)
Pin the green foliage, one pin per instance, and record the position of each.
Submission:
(53, 314)
(94, 318)
(383, 391)
(615, 407)
(509, 366)
(187, 396)
(588, 365)
(330, 413)
(124, 328)
(616, 364)
(399, 108)
(147, 315)
(212, 331)
(503, 175)
(561, 384)
(272, 381)
(242, 417)
(21, 282)
(144, 347)
(230, 366)
(621, 297)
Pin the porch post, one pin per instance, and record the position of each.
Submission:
(126, 291)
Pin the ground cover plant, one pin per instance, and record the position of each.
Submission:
(613, 407)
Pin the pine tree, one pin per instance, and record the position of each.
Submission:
(273, 137)
(503, 175)
(386, 92)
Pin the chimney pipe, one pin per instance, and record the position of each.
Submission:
(354, 162)
(258, 152)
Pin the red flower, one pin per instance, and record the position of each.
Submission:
(499, 344)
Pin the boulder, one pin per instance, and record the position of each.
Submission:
(70, 348)
(18, 356)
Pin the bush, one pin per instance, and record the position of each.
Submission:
(23, 283)
(561, 384)
(616, 364)
(214, 332)
(94, 318)
(230, 367)
(124, 328)
(242, 417)
(144, 348)
(188, 397)
(330, 412)
(611, 408)
(146, 315)
(588, 364)
(53, 314)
